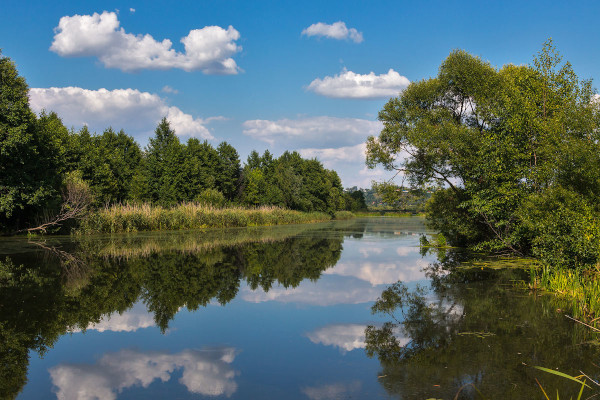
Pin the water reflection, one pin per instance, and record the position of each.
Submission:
(207, 372)
(332, 391)
(346, 337)
(474, 327)
(297, 324)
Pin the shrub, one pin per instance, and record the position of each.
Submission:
(563, 229)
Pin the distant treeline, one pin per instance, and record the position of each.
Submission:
(48, 172)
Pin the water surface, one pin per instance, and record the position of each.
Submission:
(277, 313)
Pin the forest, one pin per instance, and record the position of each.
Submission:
(50, 175)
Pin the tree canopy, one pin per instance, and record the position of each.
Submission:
(499, 142)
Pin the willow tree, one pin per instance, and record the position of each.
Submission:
(494, 140)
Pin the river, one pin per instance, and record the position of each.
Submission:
(276, 313)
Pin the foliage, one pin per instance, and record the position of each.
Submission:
(31, 154)
(109, 163)
(292, 182)
(497, 139)
(211, 197)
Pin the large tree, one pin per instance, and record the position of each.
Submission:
(496, 141)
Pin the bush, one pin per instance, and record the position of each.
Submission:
(211, 197)
(562, 228)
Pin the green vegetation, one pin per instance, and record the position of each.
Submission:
(39, 158)
(134, 218)
(514, 153)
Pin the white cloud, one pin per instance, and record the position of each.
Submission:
(346, 337)
(331, 156)
(349, 162)
(132, 10)
(332, 391)
(129, 109)
(337, 30)
(207, 372)
(350, 85)
(169, 89)
(316, 131)
(208, 49)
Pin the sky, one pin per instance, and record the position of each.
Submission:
(309, 76)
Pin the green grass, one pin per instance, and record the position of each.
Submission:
(134, 218)
(581, 288)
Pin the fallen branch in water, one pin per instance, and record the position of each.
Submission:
(583, 323)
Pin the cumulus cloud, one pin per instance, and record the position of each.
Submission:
(337, 30)
(208, 49)
(332, 391)
(132, 10)
(331, 156)
(346, 337)
(207, 372)
(350, 85)
(313, 131)
(129, 109)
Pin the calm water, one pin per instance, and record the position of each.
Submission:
(276, 313)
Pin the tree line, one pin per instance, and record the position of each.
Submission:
(40, 159)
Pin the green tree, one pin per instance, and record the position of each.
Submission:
(493, 138)
(109, 163)
(31, 153)
(229, 170)
(164, 166)
(201, 168)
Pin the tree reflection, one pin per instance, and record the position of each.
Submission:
(473, 326)
(47, 293)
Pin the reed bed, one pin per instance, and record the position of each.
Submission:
(580, 288)
(122, 218)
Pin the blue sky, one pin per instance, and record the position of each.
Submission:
(308, 76)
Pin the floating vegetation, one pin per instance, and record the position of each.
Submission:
(481, 335)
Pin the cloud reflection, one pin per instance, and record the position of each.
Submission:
(130, 321)
(332, 391)
(207, 372)
(347, 337)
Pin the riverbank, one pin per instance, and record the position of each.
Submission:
(144, 217)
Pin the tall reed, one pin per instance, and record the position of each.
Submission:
(579, 287)
(144, 217)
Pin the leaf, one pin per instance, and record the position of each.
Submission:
(551, 371)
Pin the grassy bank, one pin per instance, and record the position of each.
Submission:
(579, 288)
(134, 218)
